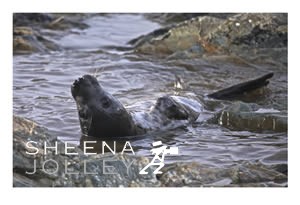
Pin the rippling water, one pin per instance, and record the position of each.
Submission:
(41, 90)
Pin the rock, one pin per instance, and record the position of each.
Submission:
(181, 37)
(244, 174)
(119, 170)
(21, 46)
(31, 19)
(30, 130)
(167, 18)
(126, 167)
(252, 30)
(50, 21)
(67, 21)
(31, 30)
(27, 41)
(243, 35)
(24, 131)
(256, 173)
(189, 174)
(251, 117)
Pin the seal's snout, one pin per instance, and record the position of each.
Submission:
(77, 82)
(84, 85)
(75, 87)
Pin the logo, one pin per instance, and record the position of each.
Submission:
(159, 151)
(51, 166)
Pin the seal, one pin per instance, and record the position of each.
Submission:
(102, 115)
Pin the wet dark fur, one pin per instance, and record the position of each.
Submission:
(100, 113)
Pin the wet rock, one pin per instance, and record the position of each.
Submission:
(246, 34)
(111, 171)
(51, 21)
(31, 32)
(119, 170)
(251, 117)
(27, 41)
(27, 131)
(30, 19)
(251, 173)
(241, 34)
(244, 174)
(193, 174)
(60, 169)
(20, 180)
(167, 18)
(21, 46)
(30, 130)
(181, 37)
(68, 21)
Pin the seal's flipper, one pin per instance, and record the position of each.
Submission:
(242, 88)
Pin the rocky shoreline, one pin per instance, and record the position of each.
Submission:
(96, 170)
(32, 31)
(252, 36)
(244, 35)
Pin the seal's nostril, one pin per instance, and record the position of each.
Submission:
(75, 84)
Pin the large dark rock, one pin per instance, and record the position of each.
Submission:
(251, 117)
(169, 18)
(181, 37)
(245, 35)
(253, 30)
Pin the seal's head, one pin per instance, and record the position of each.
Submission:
(167, 106)
(100, 113)
(174, 108)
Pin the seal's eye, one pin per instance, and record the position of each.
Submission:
(105, 103)
(172, 107)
